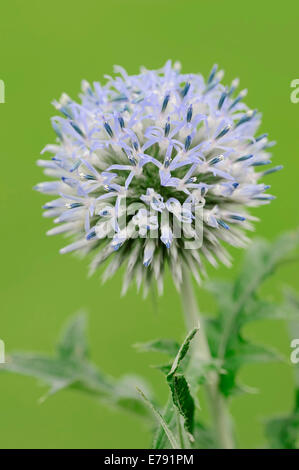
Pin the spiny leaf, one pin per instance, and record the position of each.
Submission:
(160, 420)
(57, 372)
(182, 351)
(246, 352)
(243, 352)
(183, 401)
(261, 260)
(166, 346)
(70, 368)
(73, 342)
(238, 304)
(257, 309)
(203, 437)
(160, 440)
(283, 432)
(181, 396)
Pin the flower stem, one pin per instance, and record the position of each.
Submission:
(201, 353)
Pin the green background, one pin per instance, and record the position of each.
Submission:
(49, 47)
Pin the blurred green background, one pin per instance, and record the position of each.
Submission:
(49, 47)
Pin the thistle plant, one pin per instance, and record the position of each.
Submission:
(180, 423)
(143, 155)
(154, 170)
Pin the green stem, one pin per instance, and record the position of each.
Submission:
(201, 352)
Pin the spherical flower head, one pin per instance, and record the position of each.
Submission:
(153, 169)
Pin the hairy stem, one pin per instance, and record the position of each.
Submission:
(201, 353)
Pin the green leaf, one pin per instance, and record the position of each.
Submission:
(203, 436)
(246, 352)
(70, 368)
(257, 309)
(73, 342)
(283, 432)
(261, 260)
(180, 398)
(161, 421)
(238, 303)
(179, 387)
(182, 352)
(183, 400)
(166, 346)
(160, 440)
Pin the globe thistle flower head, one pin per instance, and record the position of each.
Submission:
(146, 163)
